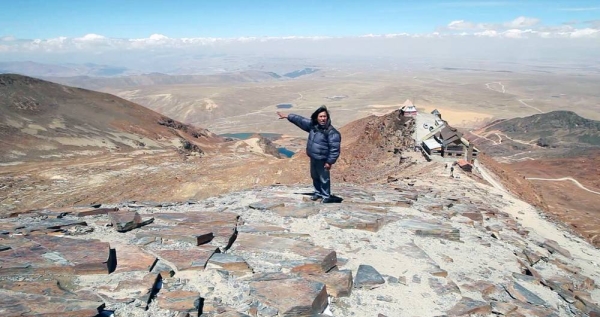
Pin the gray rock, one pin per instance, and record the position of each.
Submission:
(367, 276)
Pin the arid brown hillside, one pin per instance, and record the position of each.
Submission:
(372, 147)
(40, 120)
(551, 161)
(552, 134)
(514, 182)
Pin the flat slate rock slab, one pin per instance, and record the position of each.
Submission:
(367, 276)
(44, 225)
(190, 259)
(41, 254)
(469, 307)
(228, 262)
(300, 256)
(354, 218)
(291, 296)
(197, 216)
(132, 258)
(179, 300)
(426, 228)
(23, 304)
(193, 235)
(339, 283)
(520, 293)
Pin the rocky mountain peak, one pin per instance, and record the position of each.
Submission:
(373, 146)
(430, 246)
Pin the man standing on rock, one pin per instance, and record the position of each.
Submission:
(323, 148)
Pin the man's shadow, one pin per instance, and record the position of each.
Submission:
(332, 199)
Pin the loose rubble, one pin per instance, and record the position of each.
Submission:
(388, 250)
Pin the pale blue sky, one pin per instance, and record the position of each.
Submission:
(42, 19)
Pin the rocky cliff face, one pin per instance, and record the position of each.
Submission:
(420, 248)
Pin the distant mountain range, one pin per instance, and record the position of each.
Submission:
(64, 70)
(553, 129)
(94, 76)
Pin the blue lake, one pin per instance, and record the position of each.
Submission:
(270, 136)
(285, 152)
(246, 135)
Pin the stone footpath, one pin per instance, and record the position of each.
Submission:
(401, 249)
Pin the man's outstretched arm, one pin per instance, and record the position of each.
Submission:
(300, 121)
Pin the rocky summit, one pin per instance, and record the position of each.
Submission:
(423, 246)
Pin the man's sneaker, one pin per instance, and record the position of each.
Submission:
(315, 197)
(327, 200)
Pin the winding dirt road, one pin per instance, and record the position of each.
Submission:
(564, 179)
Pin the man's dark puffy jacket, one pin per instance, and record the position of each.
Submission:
(323, 141)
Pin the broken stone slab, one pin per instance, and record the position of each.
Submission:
(128, 290)
(526, 278)
(532, 257)
(46, 254)
(570, 268)
(561, 287)
(299, 256)
(132, 258)
(485, 288)
(367, 276)
(20, 304)
(193, 235)
(554, 247)
(527, 310)
(222, 226)
(124, 221)
(520, 293)
(267, 204)
(48, 225)
(199, 217)
(468, 307)
(292, 296)
(428, 228)
(189, 259)
(585, 303)
(94, 211)
(443, 286)
(339, 283)
(179, 301)
(229, 262)
(43, 285)
(501, 308)
(232, 314)
(475, 216)
(351, 218)
(583, 283)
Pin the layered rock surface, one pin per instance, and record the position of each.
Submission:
(435, 247)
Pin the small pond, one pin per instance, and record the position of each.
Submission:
(270, 136)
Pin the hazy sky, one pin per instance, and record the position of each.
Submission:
(100, 31)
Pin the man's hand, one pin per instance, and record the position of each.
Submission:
(282, 115)
(327, 166)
